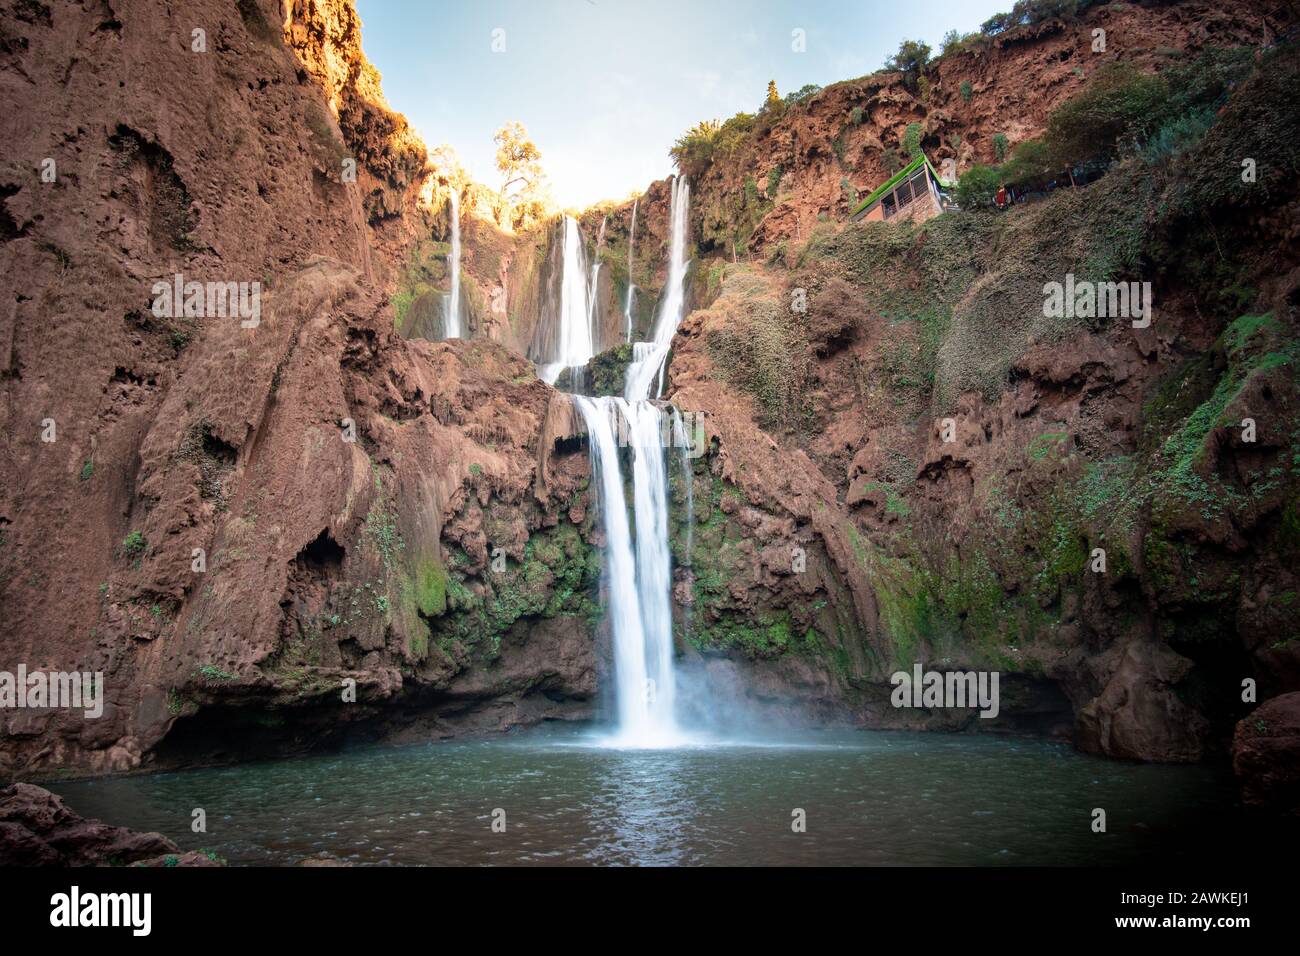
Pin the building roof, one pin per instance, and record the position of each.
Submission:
(894, 180)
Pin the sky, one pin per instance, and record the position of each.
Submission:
(605, 87)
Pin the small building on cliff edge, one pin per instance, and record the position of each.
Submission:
(913, 193)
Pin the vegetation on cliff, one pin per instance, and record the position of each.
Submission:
(994, 561)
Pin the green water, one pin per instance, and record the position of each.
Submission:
(877, 798)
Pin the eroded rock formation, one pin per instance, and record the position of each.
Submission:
(913, 466)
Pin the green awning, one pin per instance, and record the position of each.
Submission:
(894, 180)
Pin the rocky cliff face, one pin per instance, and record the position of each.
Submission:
(414, 517)
(767, 189)
(229, 522)
(891, 404)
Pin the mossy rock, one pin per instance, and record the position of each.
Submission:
(606, 372)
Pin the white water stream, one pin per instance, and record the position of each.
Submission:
(451, 327)
(638, 561)
(576, 341)
(631, 286)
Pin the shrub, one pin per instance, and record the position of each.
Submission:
(1178, 135)
(977, 186)
(693, 151)
(1117, 107)
(1125, 112)
(1031, 159)
(774, 180)
(1206, 80)
(912, 140)
(910, 60)
(954, 42)
(892, 160)
(838, 145)
(696, 149)
(1033, 11)
(133, 544)
(966, 91)
(803, 93)
(1000, 146)
(849, 191)
(998, 23)
(733, 132)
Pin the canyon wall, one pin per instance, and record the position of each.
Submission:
(231, 522)
(889, 407)
(413, 517)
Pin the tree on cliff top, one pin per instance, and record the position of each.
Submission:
(518, 159)
(1034, 11)
(910, 60)
(524, 196)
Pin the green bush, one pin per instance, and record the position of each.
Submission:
(910, 60)
(1116, 109)
(774, 180)
(763, 353)
(693, 151)
(1124, 112)
(133, 544)
(803, 93)
(912, 140)
(849, 191)
(1033, 11)
(213, 672)
(1031, 159)
(1000, 146)
(1178, 135)
(977, 186)
(966, 91)
(998, 23)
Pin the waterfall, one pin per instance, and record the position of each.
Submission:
(631, 286)
(639, 569)
(592, 299)
(637, 572)
(685, 442)
(451, 327)
(650, 363)
(575, 347)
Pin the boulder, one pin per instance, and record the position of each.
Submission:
(1266, 755)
